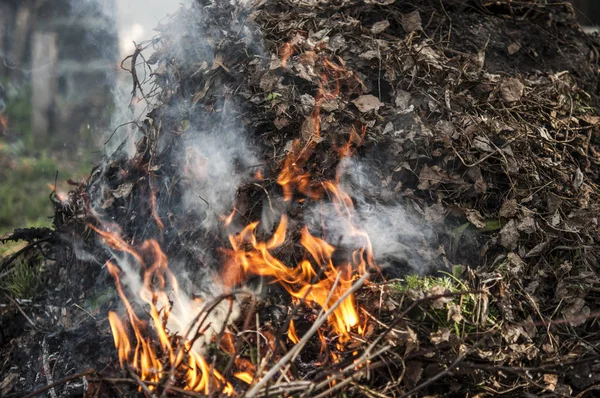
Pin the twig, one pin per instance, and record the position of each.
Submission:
(59, 382)
(437, 376)
(298, 347)
(46, 367)
(23, 312)
(139, 382)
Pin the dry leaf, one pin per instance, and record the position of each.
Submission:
(551, 381)
(366, 103)
(432, 177)
(513, 48)
(441, 302)
(379, 27)
(411, 22)
(454, 312)
(8, 383)
(537, 249)
(414, 372)
(577, 312)
(511, 90)
(441, 336)
(515, 264)
(509, 235)
(380, 2)
(475, 218)
(123, 190)
(509, 208)
(371, 54)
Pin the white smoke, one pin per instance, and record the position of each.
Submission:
(394, 236)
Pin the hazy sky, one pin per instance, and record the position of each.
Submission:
(138, 18)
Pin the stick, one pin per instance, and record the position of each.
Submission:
(298, 347)
(59, 382)
(46, 367)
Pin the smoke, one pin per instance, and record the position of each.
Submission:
(204, 154)
(397, 239)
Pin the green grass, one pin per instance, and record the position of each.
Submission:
(439, 316)
(24, 192)
(23, 278)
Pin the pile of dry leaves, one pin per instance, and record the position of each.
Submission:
(478, 119)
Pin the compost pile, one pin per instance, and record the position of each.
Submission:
(375, 197)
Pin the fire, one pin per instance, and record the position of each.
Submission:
(292, 335)
(181, 355)
(168, 343)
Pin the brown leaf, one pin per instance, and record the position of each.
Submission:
(8, 383)
(123, 190)
(454, 312)
(475, 218)
(509, 235)
(411, 22)
(511, 90)
(441, 336)
(527, 225)
(551, 381)
(379, 27)
(414, 372)
(577, 312)
(432, 177)
(441, 302)
(281, 122)
(513, 48)
(589, 119)
(366, 103)
(509, 208)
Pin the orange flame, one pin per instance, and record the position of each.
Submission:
(292, 335)
(318, 279)
(144, 359)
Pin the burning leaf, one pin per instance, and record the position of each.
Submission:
(380, 27)
(511, 90)
(411, 22)
(366, 103)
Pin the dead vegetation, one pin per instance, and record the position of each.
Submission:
(478, 118)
